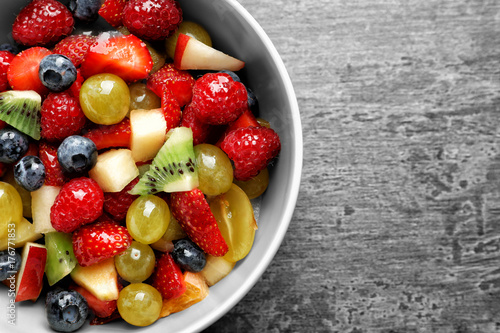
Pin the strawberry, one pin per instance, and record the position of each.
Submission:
(5, 60)
(152, 20)
(117, 203)
(200, 130)
(98, 241)
(171, 109)
(245, 120)
(107, 136)
(178, 81)
(250, 149)
(54, 175)
(112, 12)
(125, 56)
(74, 90)
(23, 70)
(218, 99)
(61, 116)
(42, 22)
(193, 213)
(3, 169)
(167, 277)
(101, 309)
(79, 202)
(75, 47)
(3, 124)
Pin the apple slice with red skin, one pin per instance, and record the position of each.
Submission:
(29, 280)
(190, 53)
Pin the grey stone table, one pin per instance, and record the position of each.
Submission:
(397, 225)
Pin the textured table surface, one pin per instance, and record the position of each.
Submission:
(397, 225)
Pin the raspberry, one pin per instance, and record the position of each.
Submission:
(218, 99)
(251, 149)
(152, 19)
(61, 116)
(79, 202)
(117, 203)
(42, 22)
(179, 82)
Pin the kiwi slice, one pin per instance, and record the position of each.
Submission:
(21, 110)
(173, 169)
(60, 257)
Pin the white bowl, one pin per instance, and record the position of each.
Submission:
(235, 32)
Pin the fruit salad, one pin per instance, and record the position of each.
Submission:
(129, 158)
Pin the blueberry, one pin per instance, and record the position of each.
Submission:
(253, 103)
(9, 47)
(85, 10)
(77, 155)
(29, 172)
(232, 74)
(66, 311)
(13, 145)
(188, 255)
(57, 72)
(10, 263)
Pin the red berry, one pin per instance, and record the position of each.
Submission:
(117, 203)
(61, 116)
(112, 12)
(152, 19)
(75, 47)
(101, 309)
(251, 149)
(74, 90)
(178, 81)
(171, 109)
(107, 136)
(167, 277)
(54, 175)
(5, 60)
(23, 70)
(200, 130)
(42, 22)
(98, 241)
(79, 202)
(193, 213)
(125, 56)
(218, 99)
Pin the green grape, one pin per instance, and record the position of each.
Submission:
(143, 98)
(191, 29)
(255, 186)
(234, 214)
(174, 232)
(11, 208)
(105, 99)
(139, 304)
(263, 122)
(215, 172)
(25, 195)
(148, 218)
(136, 263)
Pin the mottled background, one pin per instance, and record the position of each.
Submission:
(397, 225)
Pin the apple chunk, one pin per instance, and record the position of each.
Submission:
(149, 130)
(190, 53)
(22, 233)
(29, 280)
(100, 279)
(114, 170)
(41, 202)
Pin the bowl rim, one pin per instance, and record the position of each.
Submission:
(296, 174)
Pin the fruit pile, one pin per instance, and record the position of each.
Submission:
(128, 159)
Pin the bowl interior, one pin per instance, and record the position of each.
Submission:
(235, 32)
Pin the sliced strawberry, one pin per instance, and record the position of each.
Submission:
(193, 213)
(101, 309)
(171, 109)
(112, 12)
(5, 60)
(23, 70)
(200, 130)
(98, 241)
(125, 56)
(178, 81)
(107, 136)
(75, 47)
(167, 277)
(54, 175)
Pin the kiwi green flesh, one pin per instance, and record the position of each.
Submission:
(21, 110)
(60, 257)
(173, 169)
